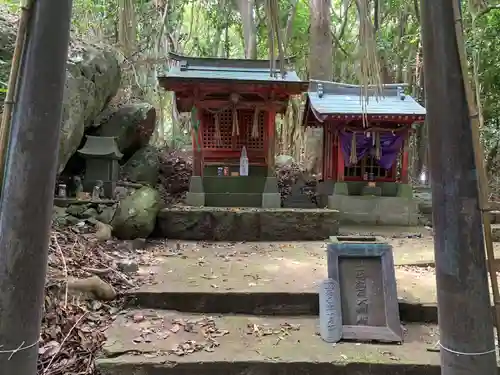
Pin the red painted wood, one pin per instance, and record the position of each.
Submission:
(198, 146)
(260, 150)
(233, 86)
(326, 155)
(329, 154)
(271, 138)
(340, 162)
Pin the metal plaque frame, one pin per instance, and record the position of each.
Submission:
(369, 247)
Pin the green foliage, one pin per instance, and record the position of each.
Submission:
(214, 28)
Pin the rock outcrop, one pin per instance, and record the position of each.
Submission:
(132, 125)
(93, 78)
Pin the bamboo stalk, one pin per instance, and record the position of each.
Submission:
(12, 85)
(481, 171)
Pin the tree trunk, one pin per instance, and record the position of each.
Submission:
(321, 41)
(421, 140)
(321, 68)
(247, 8)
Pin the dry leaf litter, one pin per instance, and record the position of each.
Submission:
(81, 272)
(204, 326)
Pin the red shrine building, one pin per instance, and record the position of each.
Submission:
(365, 150)
(233, 105)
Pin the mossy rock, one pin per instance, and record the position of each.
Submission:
(143, 166)
(132, 125)
(136, 214)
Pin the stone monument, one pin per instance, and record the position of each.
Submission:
(364, 269)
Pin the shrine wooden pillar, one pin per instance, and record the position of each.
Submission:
(329, 153)
(404, 160)
(197, 140)
(270, 140)
(340, 160)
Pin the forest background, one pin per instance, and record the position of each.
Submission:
(350, 41)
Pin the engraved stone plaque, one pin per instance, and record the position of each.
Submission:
(330, 314)
(364, 268)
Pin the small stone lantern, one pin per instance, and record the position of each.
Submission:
(101, 164)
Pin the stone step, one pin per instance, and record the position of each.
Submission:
(270, 278)
(246, 224)
(233, 199)
(275, 277)
(257, 303)
(150, 342)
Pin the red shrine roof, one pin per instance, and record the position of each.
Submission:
(340, 101)
(229, 75)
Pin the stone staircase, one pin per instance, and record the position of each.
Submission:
(273, 333)
(226, 308)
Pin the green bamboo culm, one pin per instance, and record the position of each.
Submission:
(195, 126)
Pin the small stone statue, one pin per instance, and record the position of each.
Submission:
(77, 183)
(98, 191)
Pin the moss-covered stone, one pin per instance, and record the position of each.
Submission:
(132, 125)
(143, 166)
(136, 214)
(106, 213)
(247, 224)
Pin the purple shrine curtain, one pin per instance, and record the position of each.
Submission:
(390, 145)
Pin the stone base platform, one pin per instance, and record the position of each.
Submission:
(371, 210)
(246, 224)
(147, 342)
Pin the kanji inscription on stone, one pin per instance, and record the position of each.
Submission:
(364, 268)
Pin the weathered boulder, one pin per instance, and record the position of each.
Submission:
(93, 78)
(136, 214)
(143, 166)
(132, 125)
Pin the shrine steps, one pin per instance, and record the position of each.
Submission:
(142, 341)
(246, 224)
(263, 296)
(233, 199)
(256, 303)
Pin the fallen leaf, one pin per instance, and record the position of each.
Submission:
(175, 328)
